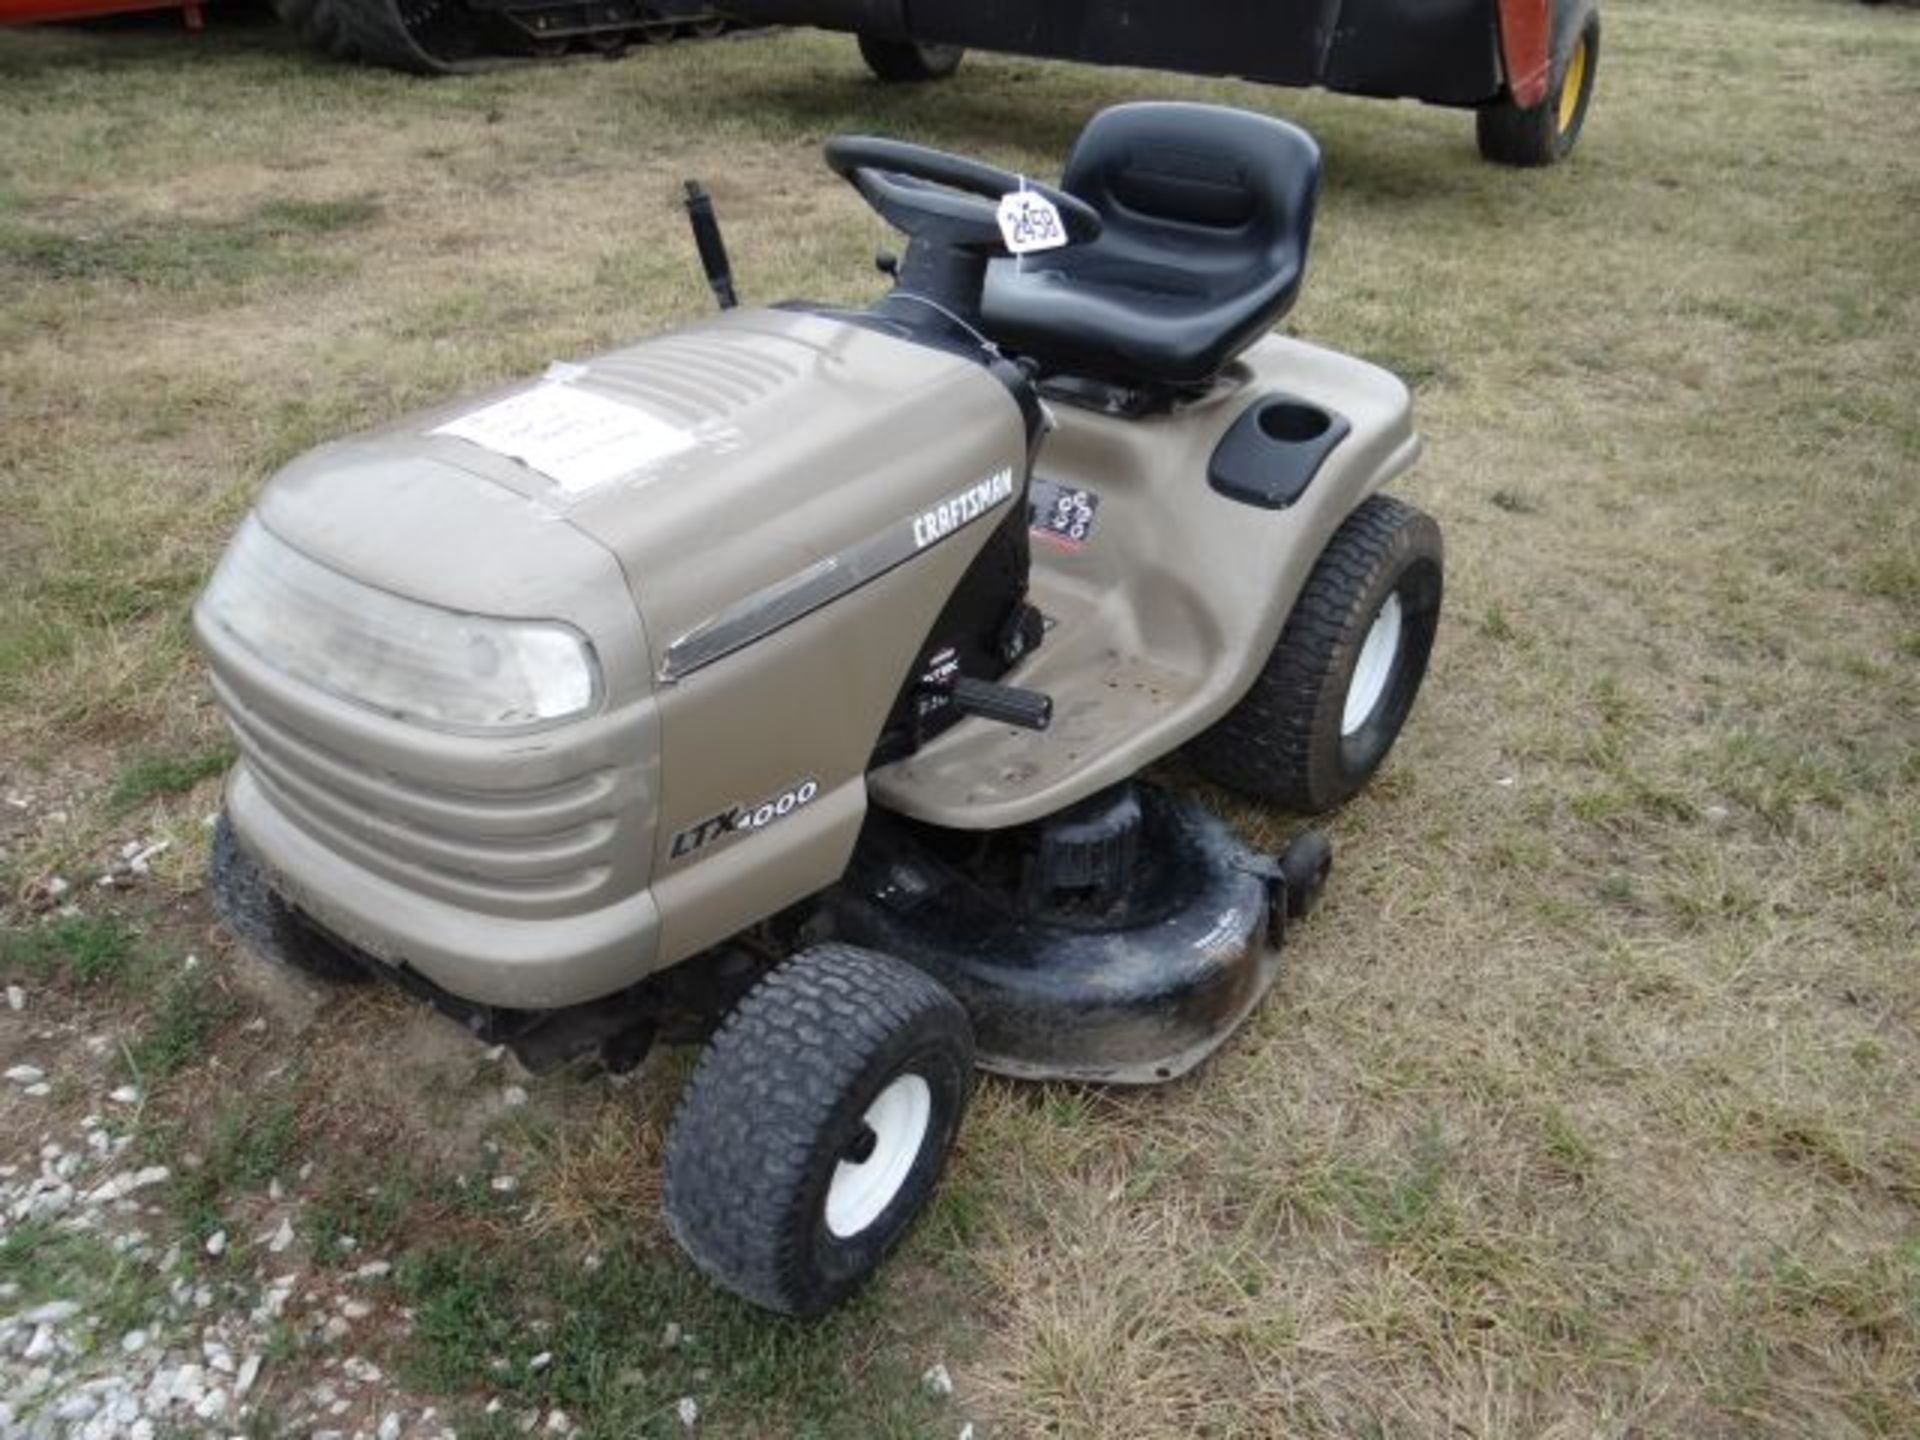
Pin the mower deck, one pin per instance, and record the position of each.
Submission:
(1133, 992)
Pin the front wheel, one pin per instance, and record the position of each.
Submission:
(816, 1125)
(1546, 133)
(903, 61)
(1330, 701)
(251, 910)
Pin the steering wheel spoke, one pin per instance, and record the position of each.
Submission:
(946, 200)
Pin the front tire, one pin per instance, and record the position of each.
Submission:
(1546, 133)
(816, 1126)
(906, 61)
(1326, 708)
(254, 912)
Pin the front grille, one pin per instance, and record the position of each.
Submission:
(526, 852)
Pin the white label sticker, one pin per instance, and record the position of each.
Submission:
(1029, 222)
(577, 438)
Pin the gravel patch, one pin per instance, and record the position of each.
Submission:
(209, 1341)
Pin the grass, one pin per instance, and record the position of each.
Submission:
(152, 776)
(483, 1316)
(1585, 1106)
(180, 252)
(48, 1263)
(357, 1213)
(188, 1009)
(179, 1007)
(81, 949)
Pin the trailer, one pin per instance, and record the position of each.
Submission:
(1525, 67)
(33, 12)
(437, 37)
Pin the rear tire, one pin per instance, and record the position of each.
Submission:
(1546, 133)
(816, 1126)
(905, 61)
(257, 915)
(1332, 698)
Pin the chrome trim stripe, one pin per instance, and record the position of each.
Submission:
(780, 604)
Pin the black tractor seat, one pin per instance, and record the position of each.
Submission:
(1206, 214)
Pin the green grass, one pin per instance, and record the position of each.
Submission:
(368, 1208)
(82, 949)
(49, 1263)
(483, 1315)
(250, 1142)
(1584, 1103)
(188, 1010)
(152, 777)
(180, 252)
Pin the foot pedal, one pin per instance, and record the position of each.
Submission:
(1008, 704)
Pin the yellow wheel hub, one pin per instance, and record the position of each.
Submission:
(1571, 84)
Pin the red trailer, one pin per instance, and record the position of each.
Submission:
(28, 12)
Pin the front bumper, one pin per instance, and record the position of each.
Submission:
(509, 871)
(522, 964)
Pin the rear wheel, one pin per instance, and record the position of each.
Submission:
(905, 60)
(816, 1125)
(1542, 134)
(1332, 698)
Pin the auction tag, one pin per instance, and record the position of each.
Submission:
(577, 438)
(1029, 222)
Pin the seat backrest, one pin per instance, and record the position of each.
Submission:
(1225, 195)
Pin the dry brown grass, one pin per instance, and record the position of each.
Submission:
(1588, 1106)
(599, 1182)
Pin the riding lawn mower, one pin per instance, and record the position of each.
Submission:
(785, 682)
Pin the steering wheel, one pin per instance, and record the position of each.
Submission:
(947, 199)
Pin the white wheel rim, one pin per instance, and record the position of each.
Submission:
(1374, 667)
(860, 1191)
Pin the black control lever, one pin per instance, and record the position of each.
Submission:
(713, 250)
(1008, 704)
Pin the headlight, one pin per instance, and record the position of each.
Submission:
(400, 657)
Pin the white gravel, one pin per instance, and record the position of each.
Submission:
(196, 1365)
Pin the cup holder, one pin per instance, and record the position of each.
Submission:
(1292, 423)
(1271, 453)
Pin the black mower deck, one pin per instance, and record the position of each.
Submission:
(1130, 977)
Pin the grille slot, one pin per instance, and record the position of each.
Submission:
(526, 852)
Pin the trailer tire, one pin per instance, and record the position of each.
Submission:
(816, 1125)
(1546, 133)
(907, 61)
(318, 28)
(250, 908)
(1327, 706)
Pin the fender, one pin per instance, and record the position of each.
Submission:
(1525, 48)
